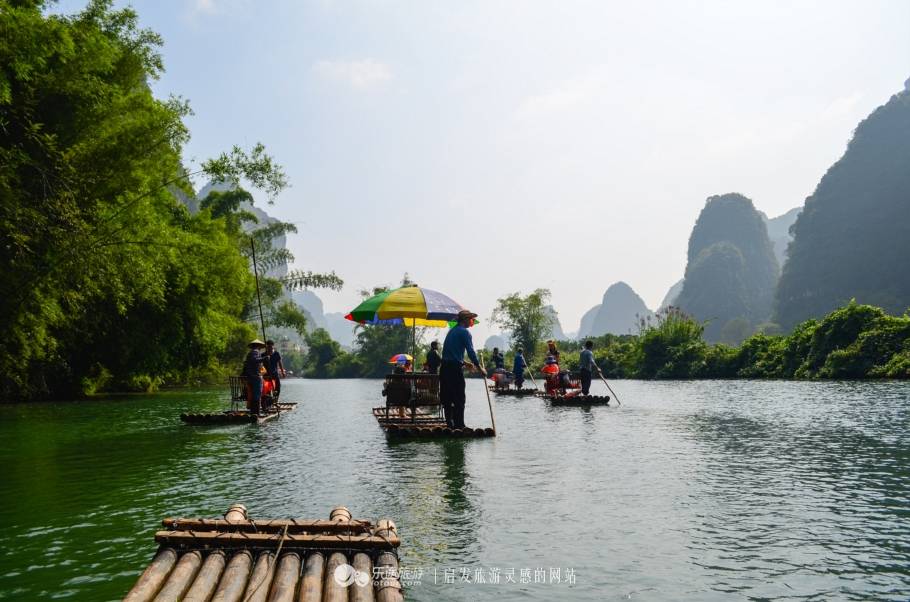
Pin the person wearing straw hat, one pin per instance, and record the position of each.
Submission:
(458, 341)
(252, 370)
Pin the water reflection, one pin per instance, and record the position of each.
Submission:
(689, 491)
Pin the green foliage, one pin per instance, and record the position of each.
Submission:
(111, 282)
(852, 238)
(526, 318)
(672, 347)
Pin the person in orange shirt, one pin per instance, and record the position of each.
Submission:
(550, 371)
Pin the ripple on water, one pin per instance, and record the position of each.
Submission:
(691, 490)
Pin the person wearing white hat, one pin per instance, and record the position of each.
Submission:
(458, 341)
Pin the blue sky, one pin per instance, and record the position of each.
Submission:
(489, 147)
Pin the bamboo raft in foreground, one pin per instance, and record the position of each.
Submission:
(290, 560)
(423, 426)
(578, 400)
(238, 416)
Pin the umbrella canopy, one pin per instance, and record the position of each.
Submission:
(400, 358)
(408, 305)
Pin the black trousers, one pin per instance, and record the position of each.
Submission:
(451, 393)
(585, 381)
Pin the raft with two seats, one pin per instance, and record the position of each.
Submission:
(241, 411)
(413, 410)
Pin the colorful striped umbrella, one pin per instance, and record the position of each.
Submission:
(400, 358)
(408, 305)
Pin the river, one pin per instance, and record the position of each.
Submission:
(704, 490)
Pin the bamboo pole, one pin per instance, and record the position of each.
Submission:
(486, 388)
(268, 540)
(389, 586)
(181, 577)
(258, 295)
(257, 590)
(153, 577)
(233, 582)
(311, 587)
(333, 591)
(363, 593)
(284, 583)
(266, 526)
(207, 579)
(609, 388)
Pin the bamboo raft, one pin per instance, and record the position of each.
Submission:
(579, 400)
(424, 426)
(238, 416)
(290, 560)
(514, 392)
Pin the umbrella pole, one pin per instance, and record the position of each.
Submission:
(483, 375)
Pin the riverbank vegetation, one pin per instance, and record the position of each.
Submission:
(853, 342)
(110, 281)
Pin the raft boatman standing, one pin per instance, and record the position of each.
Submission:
(587, 366)
(451, 375)
(252, 370)
(518, 367)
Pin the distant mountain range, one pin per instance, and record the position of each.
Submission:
(619, 312)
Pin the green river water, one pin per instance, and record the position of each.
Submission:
(711, 490)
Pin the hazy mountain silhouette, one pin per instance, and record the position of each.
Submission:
(779, 232)
(731, 271)
(496, 340)
(672, 294)
(618, 313)
(556, 331)
(852, 239)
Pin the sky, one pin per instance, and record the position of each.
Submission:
(489, 147)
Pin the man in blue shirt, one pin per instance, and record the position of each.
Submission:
(587, 367)
(451, 377)
(518, 367)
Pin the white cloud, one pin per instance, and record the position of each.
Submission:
(363, 74)
(564, 97)
(206, 7)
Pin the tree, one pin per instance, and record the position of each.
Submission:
(112, 282)
(525, 317)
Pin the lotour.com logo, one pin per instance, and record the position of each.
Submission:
(346, 575)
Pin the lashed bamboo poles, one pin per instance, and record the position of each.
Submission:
(274, 575)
